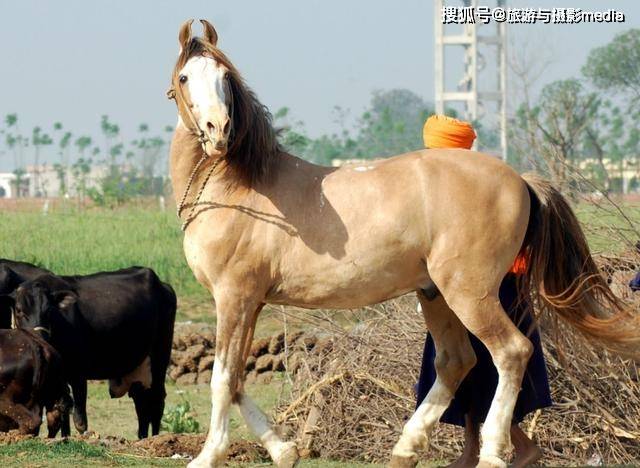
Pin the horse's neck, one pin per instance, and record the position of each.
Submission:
(292, 172)
(186, 152)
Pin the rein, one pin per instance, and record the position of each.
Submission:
(202, 139)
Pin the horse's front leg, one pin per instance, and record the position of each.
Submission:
(283, 454)
(235, 314)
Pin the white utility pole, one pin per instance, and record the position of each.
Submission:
(477, 102)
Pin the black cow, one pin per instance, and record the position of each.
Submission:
(110, 325)
(32, 379)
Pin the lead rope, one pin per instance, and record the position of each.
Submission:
(191, 216)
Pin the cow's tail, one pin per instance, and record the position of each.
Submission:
(565, 279)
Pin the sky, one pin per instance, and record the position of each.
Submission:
(75, 60)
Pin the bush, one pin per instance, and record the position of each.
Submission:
(179, 419)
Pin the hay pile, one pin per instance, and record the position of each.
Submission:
(350, 402)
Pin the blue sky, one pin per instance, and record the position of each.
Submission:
(75, 60)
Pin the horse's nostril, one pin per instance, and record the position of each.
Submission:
(211, 127)
(226, 128)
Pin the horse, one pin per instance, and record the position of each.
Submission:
(262, 226)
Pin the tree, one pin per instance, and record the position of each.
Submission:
(62, 167)
(16, 143)
(80, 171)
(110, 131)
(38, 140)
(557, 124)
(615, 67)
(291, 134)
(392, 124)
(82, 143)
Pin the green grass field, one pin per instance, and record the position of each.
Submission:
(71, 242)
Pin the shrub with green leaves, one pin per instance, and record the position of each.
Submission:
(179, 419)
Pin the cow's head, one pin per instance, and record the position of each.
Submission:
(35, 303)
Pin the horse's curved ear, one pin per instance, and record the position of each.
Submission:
(184, 36)
(210, 34)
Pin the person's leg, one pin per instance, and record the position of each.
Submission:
(471, 449)
(526, 451)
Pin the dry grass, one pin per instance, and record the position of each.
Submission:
(351, 402)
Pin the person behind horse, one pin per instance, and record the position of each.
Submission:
(472, 400)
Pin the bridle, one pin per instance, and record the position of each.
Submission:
(203, 138)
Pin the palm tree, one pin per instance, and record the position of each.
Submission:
(82, 167)
(14, 140)
(38, 139)
(64, 144)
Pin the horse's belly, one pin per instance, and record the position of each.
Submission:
(351, 284)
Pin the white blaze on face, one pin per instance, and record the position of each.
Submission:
(207, 88)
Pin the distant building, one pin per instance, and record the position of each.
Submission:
(45, 181)
(624, 175)
(7, 185)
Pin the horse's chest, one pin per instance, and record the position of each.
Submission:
(196, 259)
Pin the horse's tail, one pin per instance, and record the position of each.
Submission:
(564, 278)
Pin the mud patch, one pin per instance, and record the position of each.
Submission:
(189, 445)
(167, 445)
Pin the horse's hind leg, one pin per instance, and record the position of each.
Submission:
(483, 315)
(454, 358)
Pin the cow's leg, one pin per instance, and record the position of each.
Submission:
(159, 363)
(57, 411)
(79, 389)
(54, 422)
(58, 420)
(454, 358)
(156, 410)
(141, 399)
(235, 315)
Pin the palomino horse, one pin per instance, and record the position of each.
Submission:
(262, 226)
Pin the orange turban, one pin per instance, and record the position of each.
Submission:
(441, 131)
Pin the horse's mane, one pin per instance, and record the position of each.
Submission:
(253, 147)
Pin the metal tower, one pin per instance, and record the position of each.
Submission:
(479, 99)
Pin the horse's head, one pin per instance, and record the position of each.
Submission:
(201, 86)
(216, 105)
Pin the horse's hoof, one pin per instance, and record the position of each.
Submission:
(200, 463)
(205, 462)
(289, 456)
(403, 462)
(491, 462)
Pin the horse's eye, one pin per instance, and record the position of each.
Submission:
(183, 79)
